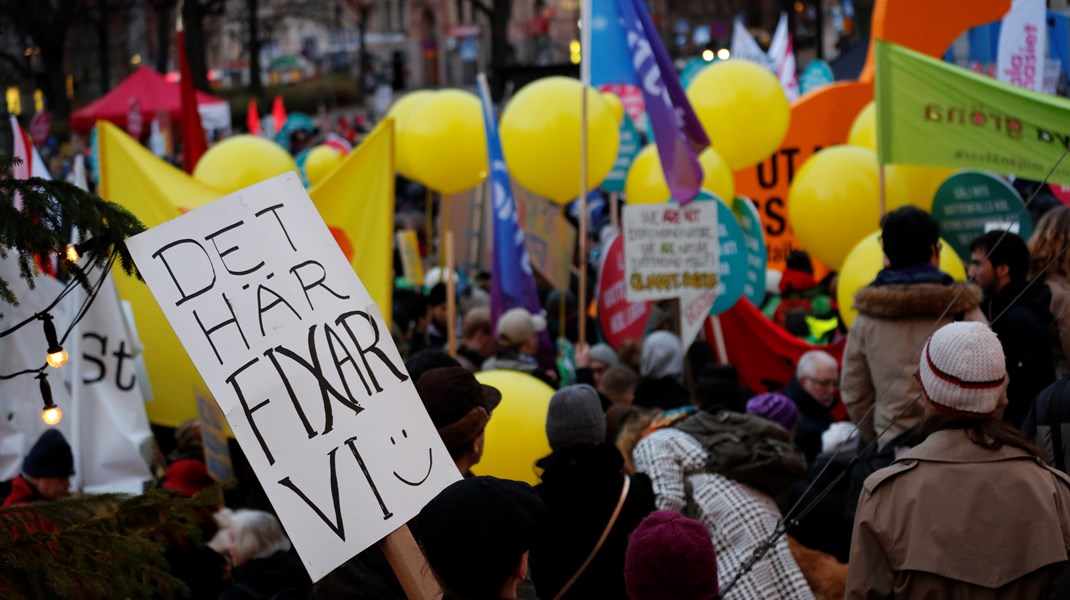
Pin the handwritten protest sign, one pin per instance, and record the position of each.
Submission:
(669, 249)
(301, 363)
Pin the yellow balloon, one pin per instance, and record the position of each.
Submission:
(743, 108)
(835, 201)
(444, 142)
(615, 105)
(400, 111)
(866, 259)
(540, 131)
(320, 161)
(516, 434)
(923, 182)
(241, 161)
(864, 129)
(645, 183)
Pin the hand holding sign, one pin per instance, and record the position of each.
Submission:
(302, 365)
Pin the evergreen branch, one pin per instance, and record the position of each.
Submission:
(40, 229)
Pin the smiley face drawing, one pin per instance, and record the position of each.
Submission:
(430, 463)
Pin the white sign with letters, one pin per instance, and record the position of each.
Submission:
(302, 365)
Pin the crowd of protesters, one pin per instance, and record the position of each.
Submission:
(927, 459)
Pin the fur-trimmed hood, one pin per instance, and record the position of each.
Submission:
(917, 300)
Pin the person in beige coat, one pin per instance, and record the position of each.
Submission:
(896, 313)
(971, 512)
(1049, 261)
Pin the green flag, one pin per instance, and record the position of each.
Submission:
(933, 113)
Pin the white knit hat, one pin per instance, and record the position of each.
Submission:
(963, 370)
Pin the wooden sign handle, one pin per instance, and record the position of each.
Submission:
(409, 565)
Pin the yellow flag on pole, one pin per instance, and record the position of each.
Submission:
(155, 192)
(356, 200)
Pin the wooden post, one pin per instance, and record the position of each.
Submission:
(585, 79)
(429, 220)
(614, 206)
(451, 298)
(718, 338)
(410, 565)
(884, 202)
(443, 227)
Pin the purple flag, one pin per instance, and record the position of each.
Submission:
(676, 129)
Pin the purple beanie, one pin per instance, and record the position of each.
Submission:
(778, 408)
(669, 557)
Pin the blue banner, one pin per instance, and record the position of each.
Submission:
(512, 283)
(610, 60)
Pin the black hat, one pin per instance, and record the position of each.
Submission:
(457, 403)
(475, 531)
(718, 387)
(50, 457)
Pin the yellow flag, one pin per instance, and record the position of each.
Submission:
(356, 200)
(154, 191)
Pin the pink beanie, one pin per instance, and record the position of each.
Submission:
(670, 557)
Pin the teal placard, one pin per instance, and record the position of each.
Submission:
(750, 223)
(733, 256)
(626, 153)
(815, 75)
(971, 203)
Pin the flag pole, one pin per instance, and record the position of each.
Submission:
(451, 299)
(585, 79)
(883, 200)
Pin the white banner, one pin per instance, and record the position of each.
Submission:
(669, 250)
(744, 47)
(103, 412)
(301, 363)
(1023, 42)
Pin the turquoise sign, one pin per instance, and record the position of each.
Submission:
(628, 149)
(815, 75)
(971, 203)
(750, 224)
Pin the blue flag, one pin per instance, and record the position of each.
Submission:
(512, 283)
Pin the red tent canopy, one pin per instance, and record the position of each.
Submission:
(152, 92)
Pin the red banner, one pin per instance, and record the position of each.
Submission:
(620, 319)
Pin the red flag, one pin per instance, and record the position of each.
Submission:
(194, 141)
(252, 118)
(763, 353)
(278, 113)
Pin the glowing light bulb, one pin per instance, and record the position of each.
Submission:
(724, 54)
(52, 415)
(707, 55)
(56, 359)
(72, 253)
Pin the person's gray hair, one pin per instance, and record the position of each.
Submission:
(809, 361)
(255, 534)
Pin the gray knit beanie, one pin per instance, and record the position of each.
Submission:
(575, 417)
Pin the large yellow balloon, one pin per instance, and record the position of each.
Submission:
(400, 111)
(864, 128)
(645, 183)
(444, 142)
(516, 433)
(540, 131)
(921, 181)
(743, 108)
(866, 259)
(835, 201)
(240, 161)
(320, 161)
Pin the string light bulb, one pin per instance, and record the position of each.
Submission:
(51, 414)
(72, 253)
(56, 356)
